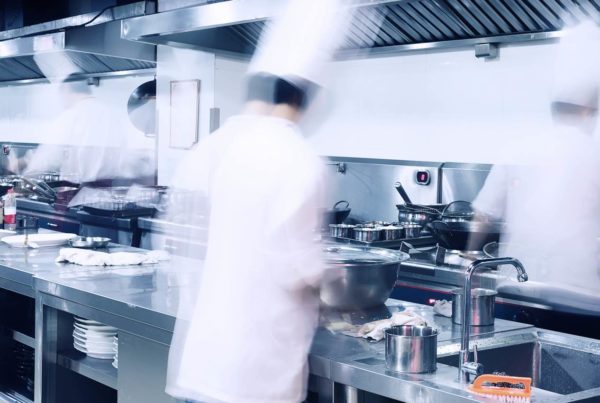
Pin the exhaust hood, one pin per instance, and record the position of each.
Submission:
(56, 48)
(379, 26)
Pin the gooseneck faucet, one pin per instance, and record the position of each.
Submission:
(466, 368)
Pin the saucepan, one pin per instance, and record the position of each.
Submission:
(89, 242)
(411, 349)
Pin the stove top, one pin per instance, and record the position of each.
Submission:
(438, 256)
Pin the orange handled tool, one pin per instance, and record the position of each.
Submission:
(505, 388)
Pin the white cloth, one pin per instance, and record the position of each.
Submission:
(261, 180)
(443, 308)
(84, 257)
(376, 330)
(551, 207)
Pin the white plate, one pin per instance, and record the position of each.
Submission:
(101, 356)
(88, 350)
(100, 336)
(96, 329)
(55, 239)
(88, 321)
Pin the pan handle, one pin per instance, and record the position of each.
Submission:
(335, 206)
(402, 193)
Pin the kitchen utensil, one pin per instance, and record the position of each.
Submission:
(483, 304)
(502, 387)
(402, 193)
(366, 234)
(411, 349)
(341, 230)
(141, 107)
(358, 277)
(411, 230)
(418, 214)
(392, 232)
(463, 235)
(89, 242)
(336, 215)
(458, 210)
(40, 240)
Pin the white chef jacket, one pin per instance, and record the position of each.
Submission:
(551, 205)
(256, 311)
(85, 143)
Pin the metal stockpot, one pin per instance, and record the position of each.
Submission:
(411, 230)
(483, 302)
(358, 277)
(367, 234)
(411, 349)
(341, 230)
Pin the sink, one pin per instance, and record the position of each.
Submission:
(556, 362)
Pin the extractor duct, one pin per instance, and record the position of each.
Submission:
(70, 46)
(379, 26)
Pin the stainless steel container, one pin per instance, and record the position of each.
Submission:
(341, 230)
(367, 234)
(483, 302)
(392, 232)
(358, 277)
(411, 230)
(411, 349)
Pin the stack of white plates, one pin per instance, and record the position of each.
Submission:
(94, 338)
(115, 362)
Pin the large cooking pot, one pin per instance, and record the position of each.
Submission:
(358, 277)
(463, 235)
(337, 214)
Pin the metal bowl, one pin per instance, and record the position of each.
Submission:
(89, 242)
(359, 277)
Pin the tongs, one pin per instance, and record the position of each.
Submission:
(40, 187)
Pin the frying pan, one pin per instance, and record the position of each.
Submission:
(141, 107)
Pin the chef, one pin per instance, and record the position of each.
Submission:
(247, 337)
(550, 199)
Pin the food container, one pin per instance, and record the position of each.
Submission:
(482, 306)
(341, 230)
(365, 234)
(358, 277)
(89, 242)
(412, 230)
(392, 232)
(411, 349)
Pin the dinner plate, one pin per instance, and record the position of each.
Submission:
(88, 321)
(96, 329)
(94, 335)
(97, 352)
(41, 240)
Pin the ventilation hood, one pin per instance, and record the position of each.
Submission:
(379, 26)
(66, 46)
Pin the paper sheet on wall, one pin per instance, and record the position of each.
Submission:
(185, 109)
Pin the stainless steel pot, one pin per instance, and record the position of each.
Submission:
(392, 232)
(411, 230)
(358, 277)
(367, 234)
(341, 230)
(411, 349)
(483, 303)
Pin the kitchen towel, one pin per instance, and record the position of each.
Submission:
(443, 308)
(95, 258)
(376, 330)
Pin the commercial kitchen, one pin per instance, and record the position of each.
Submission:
(423, 299)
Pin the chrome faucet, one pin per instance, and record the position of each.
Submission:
(465, 367)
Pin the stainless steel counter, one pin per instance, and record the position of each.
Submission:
(139, 298)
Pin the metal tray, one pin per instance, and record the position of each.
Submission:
(395, 244)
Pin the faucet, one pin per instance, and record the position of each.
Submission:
(465, 367)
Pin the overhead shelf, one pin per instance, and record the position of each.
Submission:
(378, 25)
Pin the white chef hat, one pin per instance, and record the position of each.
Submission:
(299, 41)
(577, 72)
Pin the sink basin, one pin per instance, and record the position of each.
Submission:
(556, 362)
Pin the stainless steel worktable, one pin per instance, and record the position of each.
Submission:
(143, 300)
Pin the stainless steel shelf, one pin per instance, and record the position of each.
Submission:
(11, 396)
(95, 369)
(23, 339)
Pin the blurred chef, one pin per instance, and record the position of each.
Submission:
(85, 143)
(248, 335)
(551, 198)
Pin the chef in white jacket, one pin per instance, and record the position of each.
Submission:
(550, 198)
(247, 337)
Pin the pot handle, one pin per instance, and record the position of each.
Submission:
(335, 206)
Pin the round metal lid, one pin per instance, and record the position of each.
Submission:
(349, 255)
